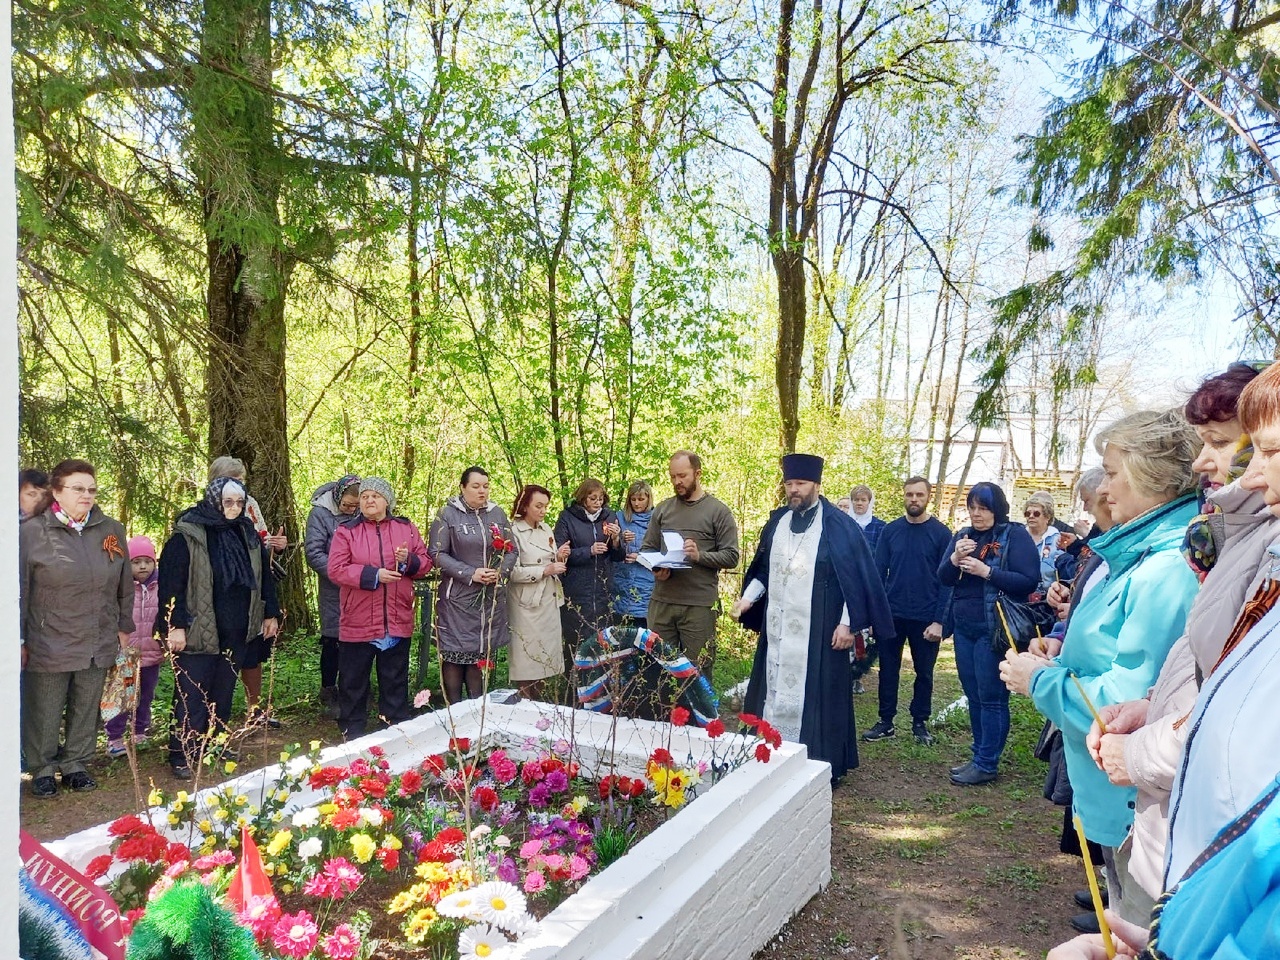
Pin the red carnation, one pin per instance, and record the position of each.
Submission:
(762, 752)
(679, 716)
(126, 826)
(327, 777)
(373, 787)
(436, 851)
(376, 751)
(390, 859)
(461, 744)
(715, 728)
(770, 735)
(97, 867)
(749, 719)
(435, 764)
(637, 787)
(345, 819)
(486, 664)
(450, 835)
(605, 786)
(176, 852)
(486, 798)
(662, 756)
(410, 783)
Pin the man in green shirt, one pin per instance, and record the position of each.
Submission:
(686, 602)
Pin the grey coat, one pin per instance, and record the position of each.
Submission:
(77, 596)
(323, 520)
(459, 544)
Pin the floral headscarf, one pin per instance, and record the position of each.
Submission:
(1206, 532)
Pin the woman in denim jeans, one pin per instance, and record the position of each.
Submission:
(989, 557)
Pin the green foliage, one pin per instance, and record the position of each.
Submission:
(184, 923)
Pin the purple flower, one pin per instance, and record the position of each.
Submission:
(507, 871)
(530, 744)
(561, 747)
(539, 795)
(556, 841)
(507, 812)
(557, 781)
(544, 723)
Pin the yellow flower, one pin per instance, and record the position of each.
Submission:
(402, 901)
(173, 819)
(279, 842)
(419, 925)
(241, 800)
(328, 808)
(392, 842)
(315, 745)
(432, 872)
(229, 766)
(220, 814)
(579, 803)
(286, 888)
(363, 847)
(205, 826)
(209, 845)
(182, 796)
(155, 798)
(284, 756)
(213, 800)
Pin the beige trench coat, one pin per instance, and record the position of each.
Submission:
(533, 606)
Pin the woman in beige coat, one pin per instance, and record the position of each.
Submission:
(534, 595)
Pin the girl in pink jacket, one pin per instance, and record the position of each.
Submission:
(373, 562)
(146, 604)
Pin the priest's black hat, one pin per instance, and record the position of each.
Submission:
(802, 466)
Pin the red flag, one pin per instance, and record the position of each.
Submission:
(82, 901)
(250, 879)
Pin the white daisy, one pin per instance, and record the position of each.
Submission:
(307, 818)
(500, 903)
(309, 848)
(481, 942)
(461, 906)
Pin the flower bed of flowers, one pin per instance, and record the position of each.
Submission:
(455, 855)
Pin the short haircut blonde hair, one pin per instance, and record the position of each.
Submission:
(1157, 449)
(1259, 403)
(227, 467)
(1042, 499)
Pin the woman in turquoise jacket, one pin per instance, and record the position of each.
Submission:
(1122, 628)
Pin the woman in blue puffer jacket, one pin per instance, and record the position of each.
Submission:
(632, 582)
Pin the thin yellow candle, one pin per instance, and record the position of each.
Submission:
(1089, 703)
(1005, 623)
(1107, 942)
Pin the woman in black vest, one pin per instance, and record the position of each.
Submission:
(216, 594)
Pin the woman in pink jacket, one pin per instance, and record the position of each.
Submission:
(146, 604)
(374, 562)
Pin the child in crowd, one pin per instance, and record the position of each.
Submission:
(142, 557)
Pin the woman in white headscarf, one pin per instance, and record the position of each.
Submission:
(863, 513)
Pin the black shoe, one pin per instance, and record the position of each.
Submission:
(883, 730)
(1085, 902)
(1086, 923)
(44, 787)
(273, 723)
(920, 730)
(80, 782)
(182, 772)
(960, 768)
(972, 777)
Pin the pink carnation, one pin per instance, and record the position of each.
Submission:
(295, 935)
(553, 861)
(534, 882)
(342, 944)
(530, 848)
(223, 858)
(324, 886)
(578, 867)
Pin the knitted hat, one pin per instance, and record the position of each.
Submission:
(381, 487)
(141, 547)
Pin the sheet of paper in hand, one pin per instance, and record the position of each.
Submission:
(670, 557)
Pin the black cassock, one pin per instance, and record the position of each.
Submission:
(844, 575)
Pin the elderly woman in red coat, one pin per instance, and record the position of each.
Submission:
(374, 561)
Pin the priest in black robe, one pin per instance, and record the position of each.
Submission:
(810, 589)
